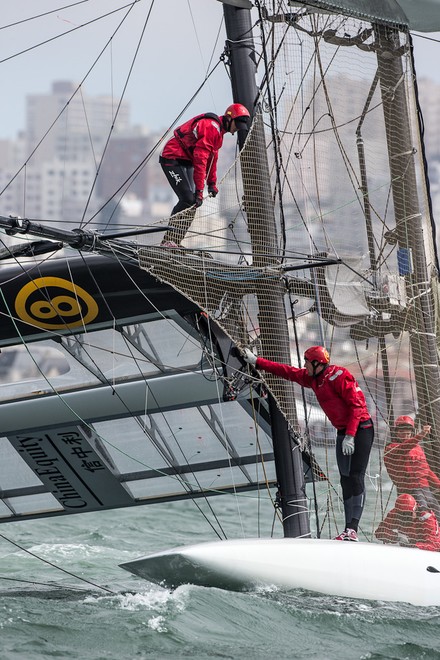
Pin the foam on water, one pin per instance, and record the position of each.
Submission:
(141, 620)
(154, 599)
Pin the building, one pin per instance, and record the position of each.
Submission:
(69, 125)
(67, 133)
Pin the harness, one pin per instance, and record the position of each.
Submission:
(179, 134)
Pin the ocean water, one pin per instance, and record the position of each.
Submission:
(46, 612)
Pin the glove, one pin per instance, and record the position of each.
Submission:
(348, 445)
(198, 198)
(212, 190)
(249, 357)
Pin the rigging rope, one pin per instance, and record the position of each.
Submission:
(59, 568)
(40, 142)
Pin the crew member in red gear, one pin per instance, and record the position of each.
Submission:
(189, 159)
(407, 466)
(343, 401)
(407, 524)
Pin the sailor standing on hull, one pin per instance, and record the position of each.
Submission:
(343, 401)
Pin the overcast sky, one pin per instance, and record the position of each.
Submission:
(182, 41)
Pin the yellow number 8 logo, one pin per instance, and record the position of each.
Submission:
(54, 303)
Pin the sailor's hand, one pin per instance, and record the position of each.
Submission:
(426, 428)
(198, 198)
(212, 190)
(249, 357)
(348, 445)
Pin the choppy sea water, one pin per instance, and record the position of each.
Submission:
(46, 613)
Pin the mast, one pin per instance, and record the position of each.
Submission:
(409, 228)
(274, 334)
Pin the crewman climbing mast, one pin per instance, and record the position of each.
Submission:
(189, 159)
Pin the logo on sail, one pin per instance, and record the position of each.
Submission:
(54, 303)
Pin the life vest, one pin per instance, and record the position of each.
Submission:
(182, 132)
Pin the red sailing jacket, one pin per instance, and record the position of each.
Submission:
(336, 389)
(407, 466)
(422, 533)
(198, 140)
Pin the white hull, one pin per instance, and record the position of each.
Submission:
(355, 570)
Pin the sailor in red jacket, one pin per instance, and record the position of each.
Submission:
(343, 401)
(407, 466)
(189, 159)
(409, 525)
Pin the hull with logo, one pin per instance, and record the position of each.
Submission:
(90, 292)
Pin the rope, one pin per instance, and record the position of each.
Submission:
(59, 568)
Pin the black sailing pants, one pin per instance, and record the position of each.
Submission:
(352, 471)
(179, 174)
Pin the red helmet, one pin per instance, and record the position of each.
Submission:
(404, 420)
(236, 110)
(405, 502)
(317, 354)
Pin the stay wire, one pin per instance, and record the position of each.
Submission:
(59, 568)
(73, 412)
(45, 584)
(184, 484)
(85, 423)
(254, 416)
(303, 395)
(275, 136)
(46, 13)
(425, 164)
(37, 146)
(78, 27)
(225, 440)
(117, 112)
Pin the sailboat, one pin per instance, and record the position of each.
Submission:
(322, 234)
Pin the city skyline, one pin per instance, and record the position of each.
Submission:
(156, 65)
(182, 49)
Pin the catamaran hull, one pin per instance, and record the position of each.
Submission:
(355, 570)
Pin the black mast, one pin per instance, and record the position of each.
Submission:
(272, 315)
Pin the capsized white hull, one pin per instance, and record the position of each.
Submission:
(356, 570)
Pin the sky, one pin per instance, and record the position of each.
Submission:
(168, 69)
(182, 40)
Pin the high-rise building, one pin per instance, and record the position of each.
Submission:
(69, 125)
(67, 133)
(123, 167)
